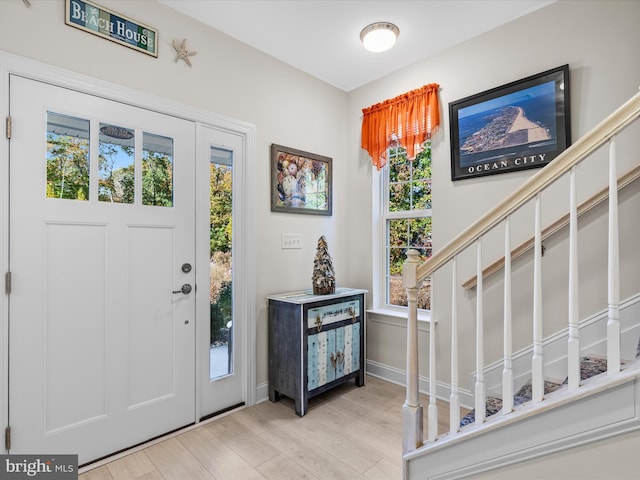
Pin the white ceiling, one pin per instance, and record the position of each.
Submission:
(322, 37)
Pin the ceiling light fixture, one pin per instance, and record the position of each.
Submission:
(379, 36)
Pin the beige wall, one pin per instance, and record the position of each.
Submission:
(228, 78)
(598, 39)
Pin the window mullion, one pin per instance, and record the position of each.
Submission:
(407, 214)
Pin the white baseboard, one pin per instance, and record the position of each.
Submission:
(397, 376)
(262, 392)
(393, 375)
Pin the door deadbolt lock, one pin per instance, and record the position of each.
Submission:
(186, 288)
(186, 267)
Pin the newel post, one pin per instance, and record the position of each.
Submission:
(411, 410)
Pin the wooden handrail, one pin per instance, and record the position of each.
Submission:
(573, 155)
(591, 202)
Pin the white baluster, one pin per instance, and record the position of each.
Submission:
(454, 399)
(613, 323)
(432, 409)
(480, 412)
(537, 379)
(573, 347)
(411, 410)
(507, 371)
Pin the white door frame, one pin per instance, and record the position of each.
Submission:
(245, 283)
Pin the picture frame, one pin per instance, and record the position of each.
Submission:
(301, 182)
(521, 125)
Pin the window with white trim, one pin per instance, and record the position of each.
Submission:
(406, 221)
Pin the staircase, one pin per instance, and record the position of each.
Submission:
(590, 366)
(531, 402)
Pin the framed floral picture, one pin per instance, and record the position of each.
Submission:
(300, 181)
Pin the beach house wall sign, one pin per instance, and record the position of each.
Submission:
(105, 23)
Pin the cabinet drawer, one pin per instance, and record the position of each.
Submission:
(337, 312)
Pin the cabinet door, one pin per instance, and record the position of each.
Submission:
(351, 349)
(332, 354)
(338, 357)
(321, 348)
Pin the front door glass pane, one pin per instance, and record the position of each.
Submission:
(221, 265)
(157, 170)
(116, 164)
(67, 157)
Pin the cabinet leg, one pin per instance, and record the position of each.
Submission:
(360, 380)
(274, 396)
(301, 407)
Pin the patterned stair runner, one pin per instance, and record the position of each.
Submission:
(589, 367)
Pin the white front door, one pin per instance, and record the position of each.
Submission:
(102, 255)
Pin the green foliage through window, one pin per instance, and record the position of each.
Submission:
(408, 219)
(116, 167)
(157, 170)
(221, 206)
(221, 243)
(67, 158)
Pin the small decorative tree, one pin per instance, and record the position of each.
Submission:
(323, 279)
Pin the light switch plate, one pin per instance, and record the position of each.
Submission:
(291, 240)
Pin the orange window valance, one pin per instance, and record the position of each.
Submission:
(411, 117)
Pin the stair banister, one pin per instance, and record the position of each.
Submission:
(613, 323)
(507, 371)
(414, 273)
(573, 342)
(411, 410)
(432, 409)
(454, 398)
(593, 201)
(480, 392)
(537, 374)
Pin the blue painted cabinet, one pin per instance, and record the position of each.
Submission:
(316, 342)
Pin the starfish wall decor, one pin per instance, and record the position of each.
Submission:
(183, 53)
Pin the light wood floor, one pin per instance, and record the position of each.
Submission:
(348, 433)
